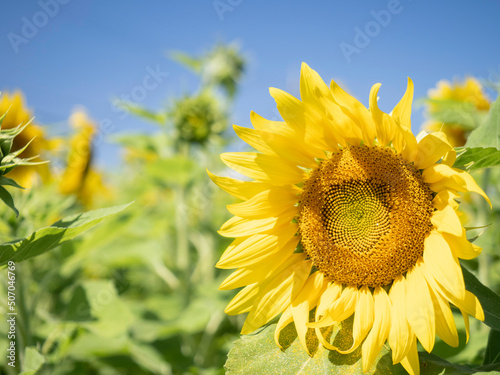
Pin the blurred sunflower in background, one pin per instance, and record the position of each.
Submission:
(80, 176)
(348, 214)
(17, 114)
(452, 108)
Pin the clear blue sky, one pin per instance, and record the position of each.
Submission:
(86, 52)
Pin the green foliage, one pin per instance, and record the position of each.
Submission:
(258, 354)
(488, 134)
(48, 238)
(472, 158)
(33, 361)
(490, 301)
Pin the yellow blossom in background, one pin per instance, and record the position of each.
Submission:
(348, 214)
(18, 114)
(80, 177)
(468, 91)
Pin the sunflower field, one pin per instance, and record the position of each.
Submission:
(330, 240)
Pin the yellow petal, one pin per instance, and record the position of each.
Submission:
(306, 299)
(266, 204)
(445, 324)
(447, 221)
(441, 176)
(400, 334)
(340, 310)
(411, 362)
(461, 247)
(246, 251)
(258, 271)
(405, 143)
(380, 330)
(329, 296)
(419, 309)
(275, 293)
(240, 189)
(285, 319)
(295, 115)
(432, 148)
(445, 198)
(241, 227)
(363, 318)
(469, 304)
(243, 301)
(402, 110)
(442, 265)
(384, 123)
(467, 325)
(356, 111)
(294, 136)
(287, 148)
(265, 168)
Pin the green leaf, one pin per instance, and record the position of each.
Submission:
(488, 133)
(48, 238)
(190, 62)
(98, 307)
(490, 301)
(7, 199)
(258, 354)
(431, 364)
(9, 181)
(473, 158)
(135, 109)
(32, 362)
(492, 353)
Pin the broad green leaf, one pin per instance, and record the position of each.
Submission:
(48, 238)
(7, 199)
(9, 181)
(258, 354)
(431, 364)
(488, 133)
(32, 362)
(96, 304)
(473, 158)
(492, 352)
(490, 301)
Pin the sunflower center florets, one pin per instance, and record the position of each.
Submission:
(364, 215)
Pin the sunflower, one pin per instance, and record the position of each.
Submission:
(470, 91)
(80, 177)
(18, 114)
(348, 214)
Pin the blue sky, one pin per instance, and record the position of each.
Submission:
(87, 52)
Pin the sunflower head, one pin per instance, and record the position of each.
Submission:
(33, 135)
(80, 176)
(348, 216)
(468, 93)
(198, 118)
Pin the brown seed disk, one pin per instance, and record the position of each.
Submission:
(364, 215)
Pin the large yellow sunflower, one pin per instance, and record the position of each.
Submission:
(348, 214)
(469, 91)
